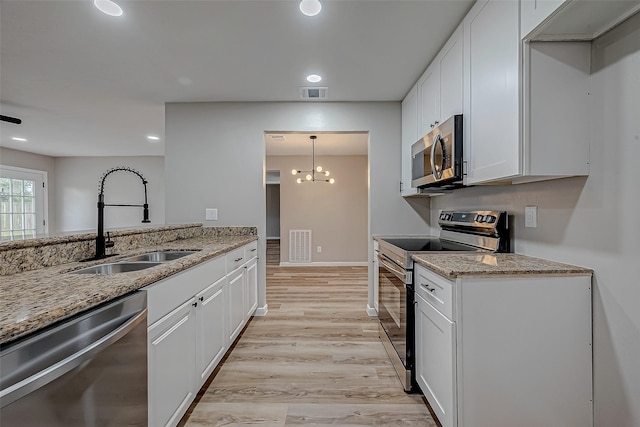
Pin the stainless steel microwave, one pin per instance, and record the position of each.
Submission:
(436, 159)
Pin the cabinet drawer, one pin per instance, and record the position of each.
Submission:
(235, 259)
(251, 250)
(435, 289)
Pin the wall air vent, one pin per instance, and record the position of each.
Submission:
(313, 93)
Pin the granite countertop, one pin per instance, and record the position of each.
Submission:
(35, 299)
(459, 264)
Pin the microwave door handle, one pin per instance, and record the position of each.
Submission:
(433, 156)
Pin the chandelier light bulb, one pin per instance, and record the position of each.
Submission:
(310, 7)
(299, 180)
(331, 181)
(326, 173)
(319, 168)
(309, 177)
(294, 172)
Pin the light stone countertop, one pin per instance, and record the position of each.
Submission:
(476, 264)
(35, 299)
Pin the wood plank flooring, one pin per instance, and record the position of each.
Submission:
(273, 252)
(315, 359)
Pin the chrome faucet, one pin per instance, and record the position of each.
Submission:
(101, 244)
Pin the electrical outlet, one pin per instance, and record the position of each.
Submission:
(319, 249)
(211, 214)
(531, 216)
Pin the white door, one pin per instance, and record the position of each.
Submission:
(251, 283)
(435, 358)
(23, 198)
(235, 283)
(172, 356)
(211, 330)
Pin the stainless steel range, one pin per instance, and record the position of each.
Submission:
(473, 231)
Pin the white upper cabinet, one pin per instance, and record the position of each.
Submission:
(525, 103)
(409, 136)
(492, 100)
(440, 87)
(434, 98)
(565, 20)
(429, 99)
(450, 60)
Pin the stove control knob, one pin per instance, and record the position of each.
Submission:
(442, 216)
(479, 218)
(490, 219)
(447, 217)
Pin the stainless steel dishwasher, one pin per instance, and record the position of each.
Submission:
(90, 370)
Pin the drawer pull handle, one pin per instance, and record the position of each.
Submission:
(238, 259)
(432, 290)
(254, 249)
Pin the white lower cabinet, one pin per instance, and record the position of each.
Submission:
(194, 316)
(251, 284)
(172, 356)
(236, 303)
(435, 360)
(492, 351)
(211, 340)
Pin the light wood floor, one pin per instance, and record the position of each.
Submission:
(315, 359)
(273, 252)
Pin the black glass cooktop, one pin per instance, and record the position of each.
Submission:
(422, 244)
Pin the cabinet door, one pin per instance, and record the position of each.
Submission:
(451, 67)
(251, 283)
(429, 99)
(172, 357)
(535, 12)
(409, 137)
(235, 286)
(492, 103)
(435, 361)
(211, 331)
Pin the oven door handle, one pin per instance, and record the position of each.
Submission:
(398, 273)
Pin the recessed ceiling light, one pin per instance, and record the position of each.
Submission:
(310, 7)
(153, 138)
(313, 78)
(108, 7)
(15, 138)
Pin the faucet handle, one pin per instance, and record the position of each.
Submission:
(109, 243)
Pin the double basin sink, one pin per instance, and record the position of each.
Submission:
(134, 263)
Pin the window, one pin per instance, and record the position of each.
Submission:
(22, 203)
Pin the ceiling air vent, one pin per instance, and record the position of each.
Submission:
(312, 93)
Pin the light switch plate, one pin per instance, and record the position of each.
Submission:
(531, 216)
(211, 214)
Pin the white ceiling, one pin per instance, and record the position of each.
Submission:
(86, 84)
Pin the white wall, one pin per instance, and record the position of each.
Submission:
(593, 222)
(215, 157)
(23, 159)
(77, 181)
(335, 213)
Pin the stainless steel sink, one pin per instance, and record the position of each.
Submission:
(116, 267)
(159, 256)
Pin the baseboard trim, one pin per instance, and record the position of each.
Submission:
(371, 311)
(261, 311)
(325, 264)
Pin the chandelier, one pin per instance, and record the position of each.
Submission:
(316, 174)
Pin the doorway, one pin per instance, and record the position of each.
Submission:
(273, 217)
(323, 193)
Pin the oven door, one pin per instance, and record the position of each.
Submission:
(396, 314)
